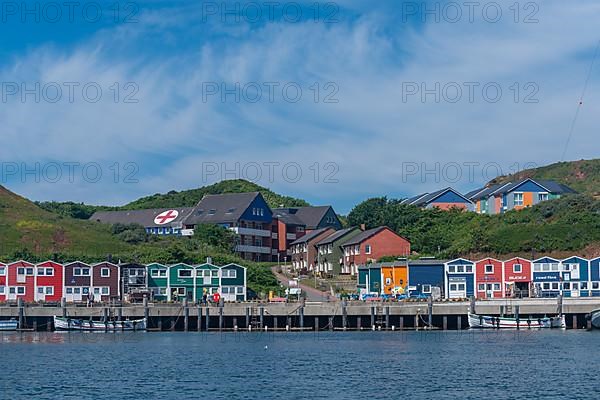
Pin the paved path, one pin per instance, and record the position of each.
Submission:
(312, 294)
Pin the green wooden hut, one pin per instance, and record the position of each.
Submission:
(207, 280)
(181, 282)
(158, 281)
(233, 282)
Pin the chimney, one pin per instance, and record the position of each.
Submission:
(209, 260)
(363, 227)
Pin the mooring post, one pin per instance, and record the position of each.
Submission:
(344, 315)
(105, 318)
(186, 315)
(445, 322)
(559, 308)
(262, 317)
(372, 317)
(63, 306)
(472, 305)
(207, 325)
(21, 313)
(146, 310)
(430, 312)
(387, 317)
(199, 325)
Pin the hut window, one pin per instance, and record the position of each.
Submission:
(595, 285)
(575, 286)
(207, 273)
(240, 290)
(105, 291)
(96, 290)
(184, 273)
(496, 287)
(460, 268)
(41, 271)
(451, 268)
(426, 288)
(215, 273)
(469, 268)
(567, 286)
(20, 271)
(489, 269)
(105, 272)
(555, 286)
(231, 273)
(584, 285)
(2, 271)
(12, 290)
(50, 290)
(69, 290)
(481, 287)
(517, 268)
(1, 289)
(20, 289)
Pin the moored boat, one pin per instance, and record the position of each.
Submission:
(594, 317)
(484, 321)
(10, 325)
(74, 324)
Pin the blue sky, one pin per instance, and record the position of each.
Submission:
(397, 98)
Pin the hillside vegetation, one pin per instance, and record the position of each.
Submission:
(583, 175)
(567, 224)
(173, 199)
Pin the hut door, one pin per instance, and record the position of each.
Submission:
(39, 294)
(574, 289)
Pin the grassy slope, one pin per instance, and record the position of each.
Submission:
(583, 175)
(25, 225)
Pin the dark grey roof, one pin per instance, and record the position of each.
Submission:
(141, 217)
(399, 263)
(310, 216)
(432, 196)
(221, 208)
(411, 200)
(287, 217)
(364, 235)
(335, 236)
(483, 192)
(426, 262)
(550, 186)
(310, 236)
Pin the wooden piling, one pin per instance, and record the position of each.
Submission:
(372, 316)
(207, 326)
(146, 310)
(358, 323)
(401, 323)
(235, 324)
(21, 313)
(186, 315)
(459, 323)
(159, 323)
(105, 318)
(430, 312)
(301, 311)
(330, 323)
(575, 321)
(63, 306)
(262, 317)
(445, 323)
(120, 314)
(472, 303)
(417, 321)
(275, 323)
(247, 317)
(34, 323)
(387, 317)
(344, 315)
(199, 325)
(317, 324)
(49, 324)
(173, 322)
(220, 318)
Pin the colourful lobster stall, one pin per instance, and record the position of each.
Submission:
(3, 289)
(133, 281)
(181, 282)
(460, 279)
(575, 277)
(488, 275)
(517, 277)
(426, 278)
(546, 277)
(105, 281)
(233, 282)
(21, 281)
(158, 281)
(369, 279)
(48, 281)
(78, 280)
(595, 277)
(207, 280)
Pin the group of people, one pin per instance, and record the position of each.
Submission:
(215, 298)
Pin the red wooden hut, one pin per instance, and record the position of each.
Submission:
(488, 277)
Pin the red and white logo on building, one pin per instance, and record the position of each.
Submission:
(166, 216)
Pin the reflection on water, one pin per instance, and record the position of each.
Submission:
(324, 365)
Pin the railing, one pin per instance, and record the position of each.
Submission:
(251, 231)
(252, 249)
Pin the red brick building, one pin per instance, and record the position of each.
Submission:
(370, 246)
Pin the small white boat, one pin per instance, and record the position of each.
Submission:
(484, 321)
(74, 324)
(594, 316)
(10, 325)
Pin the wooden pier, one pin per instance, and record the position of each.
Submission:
(303, 316)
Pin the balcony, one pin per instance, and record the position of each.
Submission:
(251, 232)
(291, 236)
(252, 249)
(274, 235)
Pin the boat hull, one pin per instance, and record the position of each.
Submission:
(489, 322)
(73, 324)
(10, 325)
(595, 319)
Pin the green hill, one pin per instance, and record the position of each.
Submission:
(189, 198)
(186, 198)
(583, 175)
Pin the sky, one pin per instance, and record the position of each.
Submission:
(333, 102)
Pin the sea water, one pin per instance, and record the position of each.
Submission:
(551, 364)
